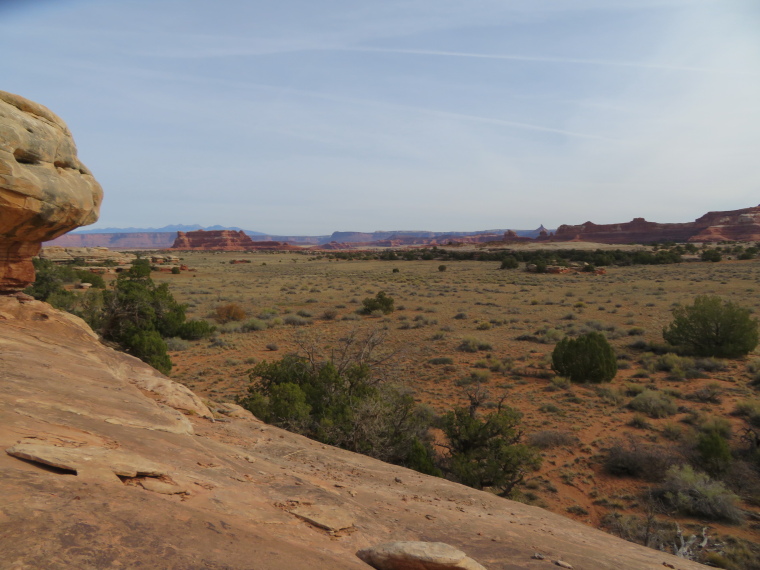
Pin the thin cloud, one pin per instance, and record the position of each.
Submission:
(543, 59)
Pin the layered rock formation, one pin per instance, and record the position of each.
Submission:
(225, 240)
(738, 225)
(45, 190)
(108, 464)
(88, 255)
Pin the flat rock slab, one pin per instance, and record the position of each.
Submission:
(328, 518)
(417, 556)
(95, 459)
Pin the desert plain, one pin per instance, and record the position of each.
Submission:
(291, 300)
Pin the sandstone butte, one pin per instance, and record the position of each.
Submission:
(225, 240)
(109, 464)
(45, 190)
(733, 225)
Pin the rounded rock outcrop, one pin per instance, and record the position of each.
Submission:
(45, 190)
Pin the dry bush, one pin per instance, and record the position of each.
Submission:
(229, 312)
(648, 531)
(637, 459)
(654, 404)
(548, 439)
(693, 493)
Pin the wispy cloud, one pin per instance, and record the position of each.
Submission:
(545, 59)
(154, 75)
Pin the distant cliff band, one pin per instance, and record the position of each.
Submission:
(735, 225)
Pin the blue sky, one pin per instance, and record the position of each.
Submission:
(306, 117)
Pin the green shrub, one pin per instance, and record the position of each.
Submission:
(487, 451)
(654, 404)
(196, 330)
(342, 403)
(148, 346)
(441, 268)
(137, 314)
(714, 453)
(588, 358)
(93, 279)
(509, 262)
(49, 279)
(380, 302)
(711, 255)
(441, 360)
(695, 494)
(711, 327)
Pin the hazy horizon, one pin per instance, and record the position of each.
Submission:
(304, 118)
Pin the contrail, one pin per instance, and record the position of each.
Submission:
(542, 59)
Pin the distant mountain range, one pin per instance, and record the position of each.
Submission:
(171, 228)
(162, 238)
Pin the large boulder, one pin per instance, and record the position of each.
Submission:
(44, 190)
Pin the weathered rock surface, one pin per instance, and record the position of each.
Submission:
(225, 240)
(232, 494)
(83, 459)
(90, 255)
(417, 556)
(738, 225)
(45, 190)
(328, 518)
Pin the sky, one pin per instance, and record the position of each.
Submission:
(304, 117)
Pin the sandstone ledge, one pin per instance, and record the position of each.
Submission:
(233, 494)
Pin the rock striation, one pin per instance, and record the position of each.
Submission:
(45, 190)
(225, 240)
